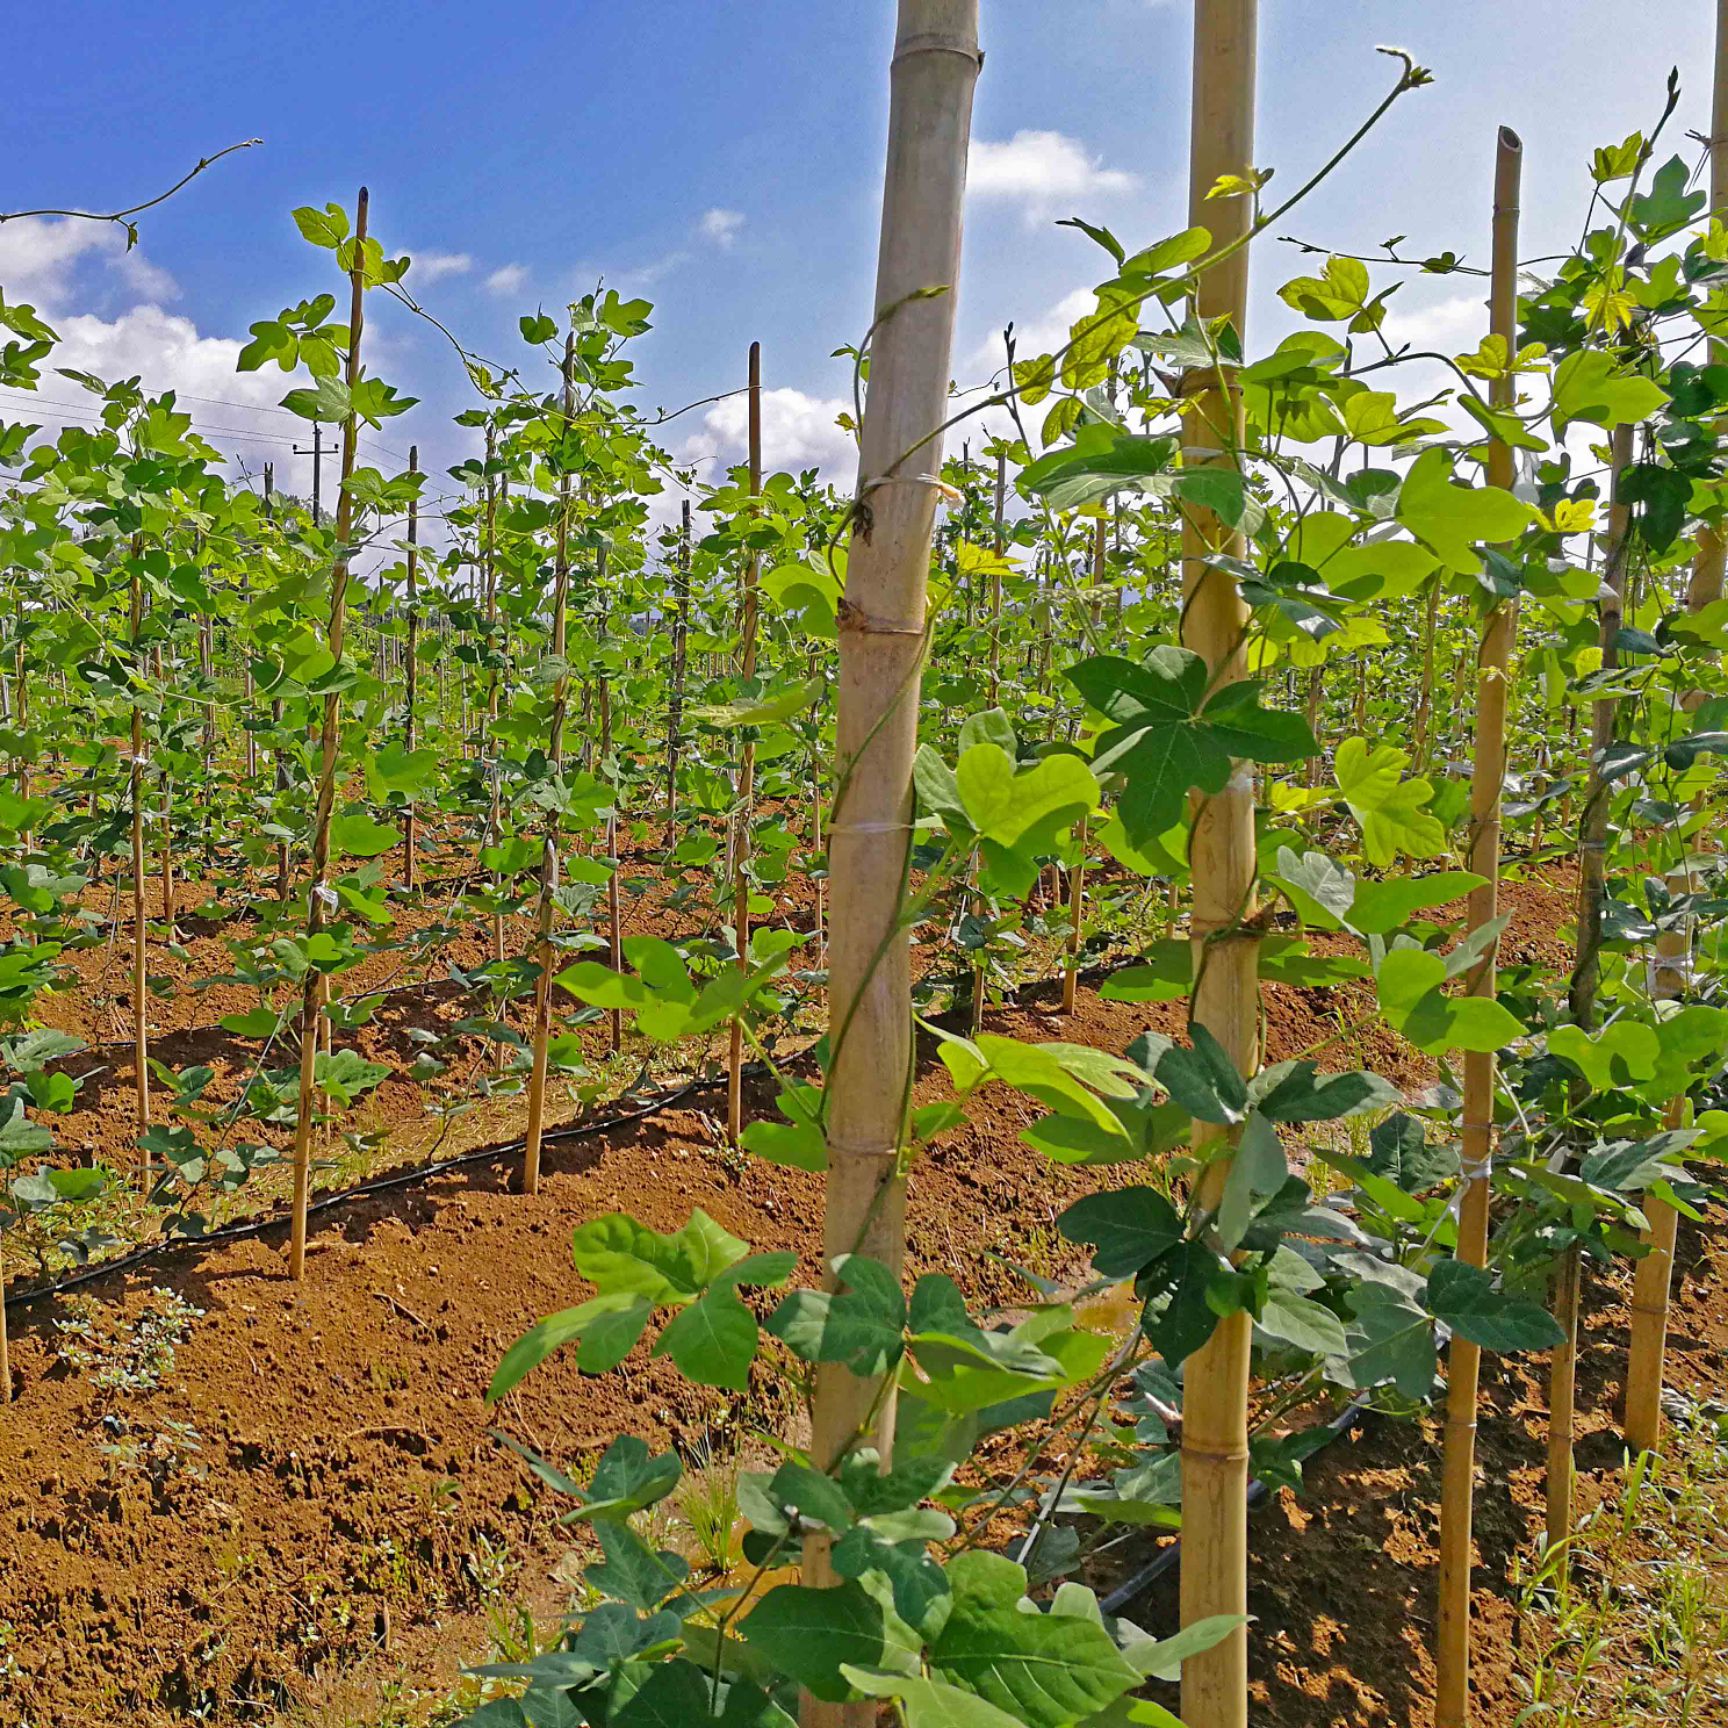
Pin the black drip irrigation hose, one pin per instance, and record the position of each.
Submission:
(361, 1190)
(1168, 1559)
(405, 1178)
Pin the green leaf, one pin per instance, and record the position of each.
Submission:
(1302, 1322)
(1100, 462)
(1005, 803)
(1593, 386)
(1464, 1297)
(1454, 520)
(1619, 1056)
(1409, 983)
(622, 1256)
(628, 1478)
(1162, 1659)
(1382, 907)
(1203, 1079)
(812, 1635)
(1167, 738)
(615, 1315)
(860, 1325)
(713, 1341)
(761, 710)
(930, 1703)
(1129, 1228)
(1391, 810)
(1041, 1670)
(354, 834)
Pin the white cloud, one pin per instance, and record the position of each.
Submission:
(39, 257)
(721, 226)
(506, 279)
(1038, 169)
(433, 266)
(798, 431)
(1452, 326)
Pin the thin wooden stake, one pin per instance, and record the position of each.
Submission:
(1653, 1278)
(312, 1000)
(1077, 876)
(882, 642)
(411, 666)
(1493, 674)
(1214, 1578)
(545, 954)
(680, 664)
(614, 912)
(140, 917)
(746, 788)
(1581, 995)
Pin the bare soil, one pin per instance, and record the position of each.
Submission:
(342, 1515)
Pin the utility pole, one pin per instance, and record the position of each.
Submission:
(317, 452)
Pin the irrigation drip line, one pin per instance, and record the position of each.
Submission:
(1169, 1557)
(420, 1172)
(361, 1190)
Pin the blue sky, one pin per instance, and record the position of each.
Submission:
(723, 158)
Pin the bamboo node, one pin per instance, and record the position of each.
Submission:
(1216, 1455)
(866, 487)
(1199, 379)
(862, 1149)
(854, 617)
(871, 827)
(936, 42)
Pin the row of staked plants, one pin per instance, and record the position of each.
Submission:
(352, 737)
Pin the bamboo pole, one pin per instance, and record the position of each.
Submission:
(489, 744)
(1226, 1000)
(1077, 876)
(545, 954)
(411, 665)
(614, 910)
(680, 666)
(1653, 1277)
(996, 579)
(1487, 783)
(746, 787)
(165, 844)
(312, 1000)
(881, 652)
(1581, 994)
(140, 917)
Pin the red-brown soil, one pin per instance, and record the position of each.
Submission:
(347, 1516)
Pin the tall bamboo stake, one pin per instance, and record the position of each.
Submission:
(312, 1000)
(1487, 782)
(5, 1347)
(489, 750)
(1077, 876)
(996, 579)
(746, 788)
(545, 954)
(140, 919)
(165, 844)
(680, 664)
(1581, 994)
(1653, 1277)
(1214, 1579)
(882, 636)
(980, 971)
(411, 666)
(614, 911)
